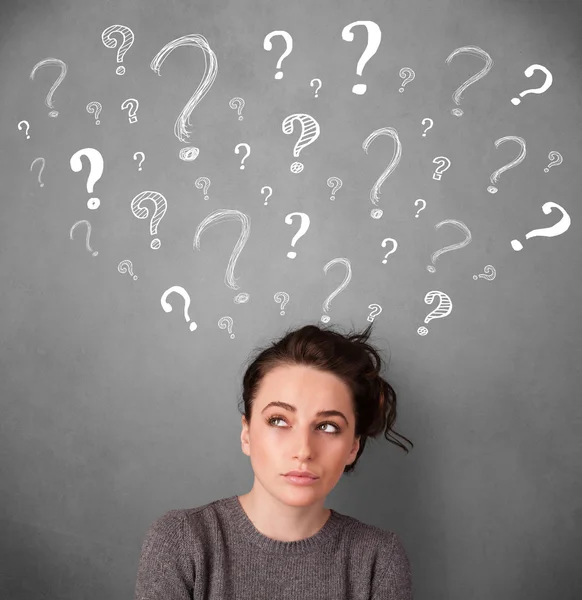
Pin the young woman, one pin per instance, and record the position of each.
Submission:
(311, 401)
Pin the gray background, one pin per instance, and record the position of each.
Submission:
(114, 412)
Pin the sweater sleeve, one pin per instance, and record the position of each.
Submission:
(396, 581)
(165, 571)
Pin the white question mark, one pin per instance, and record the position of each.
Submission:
(376, 310)
(203, 183)
(131, 105)
(376, 213)
(335, 183)
(560, 227)
(318, 87)
(281, 298)
(343, 285)
(490, 273)
(555, 158)
(408, 74)
(108, 39)
(495, 175)
(475, 51)
(237, 103)
(126, 266)
(135, 155)
(305, 221)
(309, 133)
(267, 45)
(27, 128)
(237, 151)
(267, 187)
(459, 225)
(178, 289)
(443, 309)
(528, 73)
(422, 208)
(95, 172)
(49, 97)
(429, 127)
(41, 168)
(443, 164)
(395, 245)
(374, 38)
(95, 108)
(141, 212)
(84, 222)
(225, 322)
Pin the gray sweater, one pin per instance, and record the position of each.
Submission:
(214, 552)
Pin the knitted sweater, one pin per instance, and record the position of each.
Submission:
(214, 552)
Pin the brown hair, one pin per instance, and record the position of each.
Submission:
(356, 362)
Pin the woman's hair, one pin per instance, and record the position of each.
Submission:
(349, 357)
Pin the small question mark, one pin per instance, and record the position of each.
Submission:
(343, 285)
(237, 151)
(528, 73)
(95, 171)
(475, 51)
(126, 266)
(395, 245)
(267, 45)
(335, 183)
(141, 212)
(84, 222)
(560, 227)
(49, 97)
(281, 298)
(443, 309)
(131, 105)
(374, 38)
(267, 187)
(178, 289)
(41, 168)
(237, 103)
(305, 221)
(408, 74)
(27, 128)
(309, 133)
(443, 164)
(109, 41)
(376, 310)
(459, 225)
(203, 183)
(422, 208)
(318, 87)
(376, 213)
(225, 322)
(490, 273)
(495, 175)
(555, 158)
(429, 127)
(135, 155)
(95, 107)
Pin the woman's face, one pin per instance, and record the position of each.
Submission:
(282, 439)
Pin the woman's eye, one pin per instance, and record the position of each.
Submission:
(272, 421)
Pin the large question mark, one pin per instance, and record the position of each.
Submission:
(223, 215)
(429, 127)
(248, 151)
(376, 310)
(203, 183)
(131, 105)
(309, 133)
(394, 246)
(49, 97)
(475, 51)
(374, 38)
(267, 45)
(459, 225)
(305, 221)
(443, 164)
(420, 209)
(343, 285)
(226, 322)
(237, 103)
(111, 42)
(318, 87)
(95, 171)
(84, 222)
(142, 158)
(443, 309)
(126, 266)
(41, 168)
(528, 73)
(560, 227)
(408, 75)
(555, 159)
(335, 183)
(495, 175)
(178, 289)
(267, 187)
(95, 108)
(281, 298)
(376, 213)
(141, 212)
(27, 128)
(210, 70)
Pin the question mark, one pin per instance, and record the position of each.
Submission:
(132, 105)
(422, 208)
(41, 168)
(237, 102)
(475, 51)
(135, 155)
(225, 322)
(318, 87)
(376, 310)
(443, 309)
(429, 127)
(309, 133)
(560, 227)
(267, 187)
(203, 182)
(108, 39)
(84, 222)
(281, 298)
(409, 75)
(459, 225)
(178, 289)
(495, 175)
(222, 215)
(49, 97)
(237, 151)
(95, 172)
(376, 213)
(95, 107)
(141, 212)
(490, 273)
(210, 70)
(126, 266)
(443, 164)
(343, 285)
(27, 128)
(528, 73)
(305, 221)
(395, 245)
(374, 37)
(555, 158)
(267, 45)
(335, 183)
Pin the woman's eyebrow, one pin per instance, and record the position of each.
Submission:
(321, 413)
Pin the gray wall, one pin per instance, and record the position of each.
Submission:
(114, 411)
